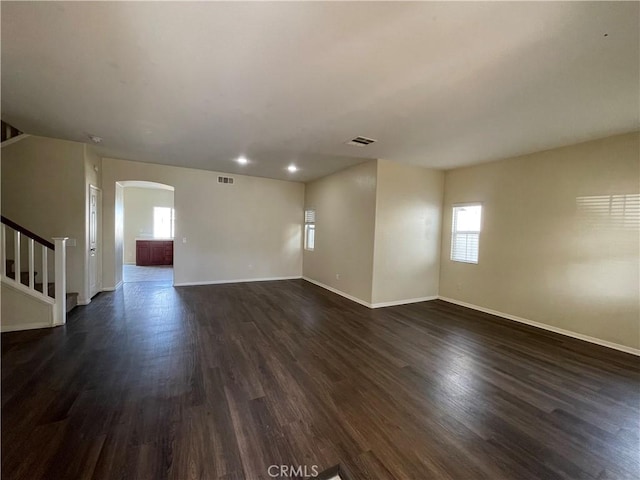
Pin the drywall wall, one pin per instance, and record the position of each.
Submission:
(345, 205)
(21, 311)
(43, 189)
(113, 260)
(246, 231)
(560, 238)
(138, 215)
(406, 262)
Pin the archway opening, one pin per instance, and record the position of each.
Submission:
(145, 230)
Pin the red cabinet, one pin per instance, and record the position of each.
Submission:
(154, 252)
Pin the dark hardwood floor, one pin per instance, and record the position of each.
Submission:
(220, 382)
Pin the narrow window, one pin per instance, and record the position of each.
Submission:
(163, 218)
(309, 229)
(465, 233)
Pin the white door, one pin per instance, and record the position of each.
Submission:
(94, 240)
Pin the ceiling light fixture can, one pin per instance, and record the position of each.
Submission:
(292, 168)
(242, 160)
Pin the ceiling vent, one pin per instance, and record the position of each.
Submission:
(228, 180)
(361, 141)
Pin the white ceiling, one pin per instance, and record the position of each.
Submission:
(437, 84)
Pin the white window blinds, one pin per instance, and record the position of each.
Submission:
(309, 216)
(309, 229)
(465, 233)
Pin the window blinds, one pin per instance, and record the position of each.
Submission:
(465, 235)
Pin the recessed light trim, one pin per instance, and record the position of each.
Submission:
(242, 160)
(292, 168)
(95, 138)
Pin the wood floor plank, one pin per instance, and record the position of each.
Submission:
(220, 382)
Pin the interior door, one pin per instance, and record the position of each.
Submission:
(94, 240)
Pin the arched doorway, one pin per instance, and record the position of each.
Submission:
(144, 231)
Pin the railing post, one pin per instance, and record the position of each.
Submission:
(60, 308)
(32, 267)
(3, 241)
(16, 258)
(45, 271)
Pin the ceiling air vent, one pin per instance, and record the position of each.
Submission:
(228, 180)
(361, 141)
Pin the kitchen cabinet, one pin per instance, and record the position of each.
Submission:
(154, 252)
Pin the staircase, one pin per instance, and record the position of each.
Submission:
(7, 132)
(72, 297)
(29, 262)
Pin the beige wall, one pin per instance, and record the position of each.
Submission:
(22, 311)
(112, 258)
(43, 189)
(543, 256)
(345, 205)
(249, 230)
(407, 235)
(138, 215)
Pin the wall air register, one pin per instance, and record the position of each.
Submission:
(361, 141)
(227, 180)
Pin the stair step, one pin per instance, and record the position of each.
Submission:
(51, 288)
(24, 276)
(72, 301)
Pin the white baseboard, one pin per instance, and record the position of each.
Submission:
(403, 302)
(112, 289)
(83, 302)
(237, 280)
(544, 326)
(367, 304)
(15, 139)
(27, 326)
(338, 292)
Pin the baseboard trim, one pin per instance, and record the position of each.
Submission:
(112, 289)
(15, 139)
(83, 302)
(403, 302)
(544, 326)
(28, 326)
(237, 280)
(338, 292)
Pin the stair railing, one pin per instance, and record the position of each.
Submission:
(15, 277)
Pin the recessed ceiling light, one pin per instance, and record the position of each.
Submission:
(242, 160)
(292, 168)
(95, 138)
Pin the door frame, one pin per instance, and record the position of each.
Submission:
(98, 272)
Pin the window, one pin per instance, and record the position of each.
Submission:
(465, 233)
(309, 229)
(163, 222)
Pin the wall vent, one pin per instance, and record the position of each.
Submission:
(228, 180)
(361, 141)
